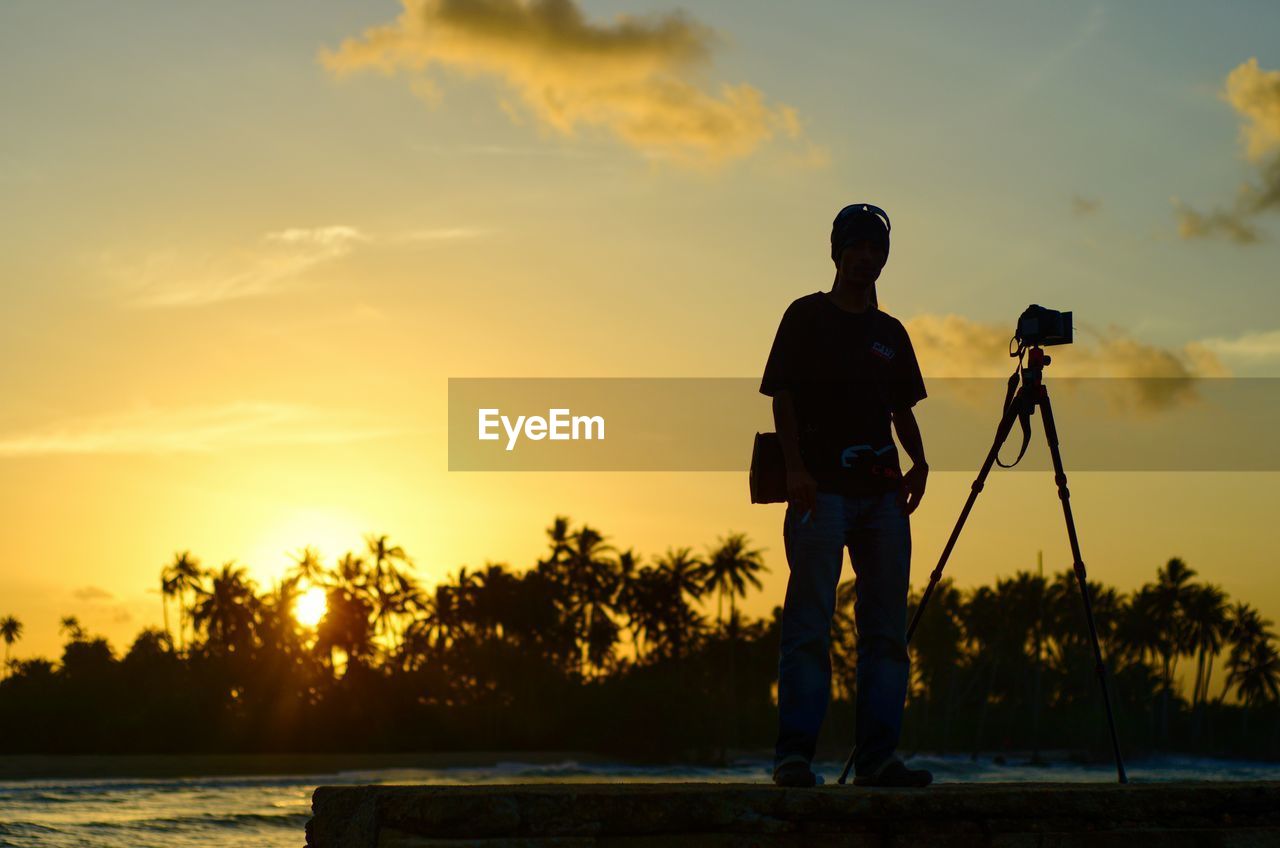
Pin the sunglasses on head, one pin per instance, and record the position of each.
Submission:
(855, 208)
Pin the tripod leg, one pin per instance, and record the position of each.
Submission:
(1060, 477)
(1002, 433)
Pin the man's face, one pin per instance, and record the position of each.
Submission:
(861, 262)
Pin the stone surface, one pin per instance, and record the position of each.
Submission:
(1006, 815)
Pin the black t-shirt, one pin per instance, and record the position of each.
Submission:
(846, 371)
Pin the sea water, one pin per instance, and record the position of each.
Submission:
(222, 812)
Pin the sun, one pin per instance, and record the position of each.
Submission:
(310, 607)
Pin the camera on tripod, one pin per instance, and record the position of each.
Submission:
(1040, 326)
(1037, 327)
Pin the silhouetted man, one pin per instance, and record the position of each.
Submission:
(839, 371)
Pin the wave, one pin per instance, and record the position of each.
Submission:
(70, 786)
(508, 770)
(167, 824)
(227, 820)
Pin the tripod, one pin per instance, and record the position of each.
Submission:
(1033, 393)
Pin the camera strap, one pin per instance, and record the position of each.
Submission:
(1024, 414)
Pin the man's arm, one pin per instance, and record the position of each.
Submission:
(785, 422)
(801, 487)
(904, 422)
(780, 376)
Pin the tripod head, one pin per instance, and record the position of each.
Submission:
(1037, 361)
(1022, 401)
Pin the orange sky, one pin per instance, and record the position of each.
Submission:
(242, 257)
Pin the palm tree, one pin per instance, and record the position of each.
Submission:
(662, 622)
(1169, 599)
(1032, 593)
(389, 584)
(1023, 599)
(844, 643)
(278, 630)
(680, 569)
(346, 626)
(679, 574)
(70, 625)
(1245, 628)
(10, 631)
(350, 571)
(1067, 659)
(937, 646)
(468, 616)
(1207, 623)
(1256, 676)
(587, 581)
(227, 610)
(729, 567)
(559, 534)
(165, 594)
(495, 600)
(282, 598)
(176, 579)
(984, 629)
(630, 596)
(1251, 664)
(308, 567)
(441, 622)
(639, 601)
(1138, 630)
(656, 600)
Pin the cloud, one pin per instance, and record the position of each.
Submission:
(506, 150)
(1059, 57)
(1249, 349)
(1084, 205)
(99, 600)
(955, 346)
(91, 593)
(1142, 377)
(147, 429)
(1232, 224)
(636, 78)
(324, 240)
(1255, 95)
(439, 234)
(166, 279)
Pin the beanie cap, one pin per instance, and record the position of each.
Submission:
(856, 222)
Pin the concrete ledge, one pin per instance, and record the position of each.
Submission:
(1008, 815)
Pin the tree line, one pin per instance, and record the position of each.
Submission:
(598, 648)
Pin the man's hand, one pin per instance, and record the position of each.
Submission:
(912, 488)
(802, 489)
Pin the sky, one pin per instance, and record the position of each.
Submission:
(246, 245)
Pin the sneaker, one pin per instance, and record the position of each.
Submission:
(894, 772)
(794, 773)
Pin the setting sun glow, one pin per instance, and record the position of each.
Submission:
(310, 606)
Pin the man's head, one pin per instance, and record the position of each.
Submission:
(860, 242)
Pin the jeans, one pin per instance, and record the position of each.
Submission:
(877, 532)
